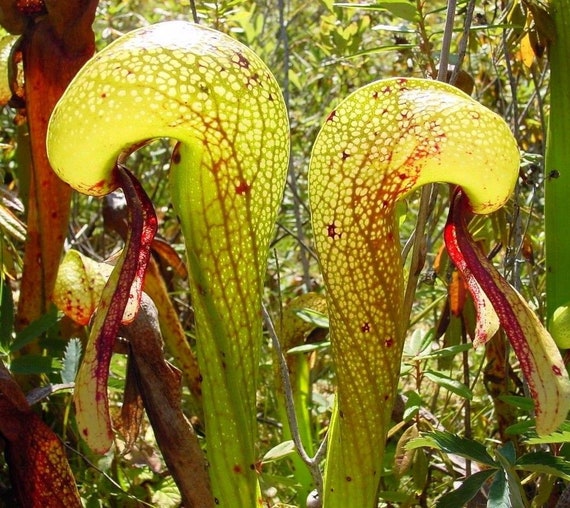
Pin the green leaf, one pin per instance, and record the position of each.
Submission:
(499, 492)
(307, 348)
(413, 405)
(34, 364)
(418, 343)
(450, 443)
(506, 457)
(283, 449)
(562, 435)
(524, 403)
(392, 28)
(71, 360)
(467, 491)
(508, 452)
(519, 428)
(398, 8)
(394, 496)
(313, 317)
(6, 315)
(166, 493)
(449, 351)
(450, 384)
(380, 49)
(544, 462)
(420, 470)
(420, 442)
(36, 328)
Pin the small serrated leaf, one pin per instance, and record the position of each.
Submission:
(71, 360)
(450, 443)
(544, 462)
(506, 457)
(562, 435)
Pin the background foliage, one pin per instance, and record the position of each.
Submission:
(320, 52)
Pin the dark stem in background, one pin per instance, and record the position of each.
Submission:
(194, 11)
(292, 178)
(428, 192)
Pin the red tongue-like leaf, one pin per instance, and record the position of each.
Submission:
(538, 356)
(119, 304)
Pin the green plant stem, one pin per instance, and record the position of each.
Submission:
(557, 164)
(311, 462)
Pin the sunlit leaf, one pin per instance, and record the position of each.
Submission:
(11, 225)
(448, 351)
(280, 451)
(562, 435)
(166, 493)
(6, 44)
(399, 8)
(413, 404)
(527, 53)
(307, 348)
(80, 281)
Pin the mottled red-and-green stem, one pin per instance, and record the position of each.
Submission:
(124, 286)
(219, 100)
(378, 145)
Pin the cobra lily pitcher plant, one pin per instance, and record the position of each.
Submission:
(224, 108)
